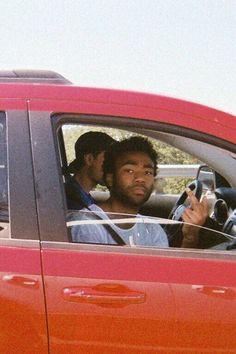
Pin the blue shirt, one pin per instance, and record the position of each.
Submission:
(145, 231)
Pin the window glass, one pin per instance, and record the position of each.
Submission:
(158, 222)
(4, 215)
(95, 227)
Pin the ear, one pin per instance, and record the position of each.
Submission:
(88, 159)
(109, 180)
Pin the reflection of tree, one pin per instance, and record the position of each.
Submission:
(72, 133)
(166, 153)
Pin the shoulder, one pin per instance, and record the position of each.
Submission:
(99, 212)
(92, 212)
(81, 214)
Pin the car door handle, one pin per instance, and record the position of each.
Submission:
(21, 280)
(104, 295)
(216, 291)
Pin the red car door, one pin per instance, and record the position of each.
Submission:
(99, 300)
(102, 300)
(108, 299)
(205, 297)
(23, 320)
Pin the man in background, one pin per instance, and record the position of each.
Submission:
(86, 169)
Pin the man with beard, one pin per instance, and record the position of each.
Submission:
(129, 171)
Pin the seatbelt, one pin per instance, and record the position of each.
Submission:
(116, 237)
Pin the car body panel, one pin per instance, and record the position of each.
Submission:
(165, 282)
(122, 103)
(184, 302)
(105, 313)
(22, 305)
(143, 106)
(7, 104)
(59, 297)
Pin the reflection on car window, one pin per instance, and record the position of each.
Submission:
(4, 215)
(140, 231)
(97, 227)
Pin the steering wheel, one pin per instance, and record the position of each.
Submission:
(176, 212)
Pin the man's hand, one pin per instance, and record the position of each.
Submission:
(196, 214)
(198, 211)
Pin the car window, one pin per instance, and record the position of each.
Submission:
(179, 160)
(176, 168)
(4, 216)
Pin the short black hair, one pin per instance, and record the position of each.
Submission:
(89, 143)
(133, 144)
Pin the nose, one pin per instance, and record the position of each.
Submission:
(139, 177)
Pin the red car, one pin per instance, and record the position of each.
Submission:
(57, 296)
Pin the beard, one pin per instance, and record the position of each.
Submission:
(127, 197)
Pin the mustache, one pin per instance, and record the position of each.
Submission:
(143, 187)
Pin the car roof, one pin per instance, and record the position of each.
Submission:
(24, 83)
(40, 90)
(115, 102)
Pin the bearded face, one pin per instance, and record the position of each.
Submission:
(132, 182)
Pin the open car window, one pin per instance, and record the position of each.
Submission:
(179, 160)
(176, 167)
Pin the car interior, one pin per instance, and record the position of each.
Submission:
(214, 177)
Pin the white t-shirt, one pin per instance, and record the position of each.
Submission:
(143, 232)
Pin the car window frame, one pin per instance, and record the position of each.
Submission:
(51, 122)
(21, 189)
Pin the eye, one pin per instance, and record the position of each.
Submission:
(149, 173)
(129, 171)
